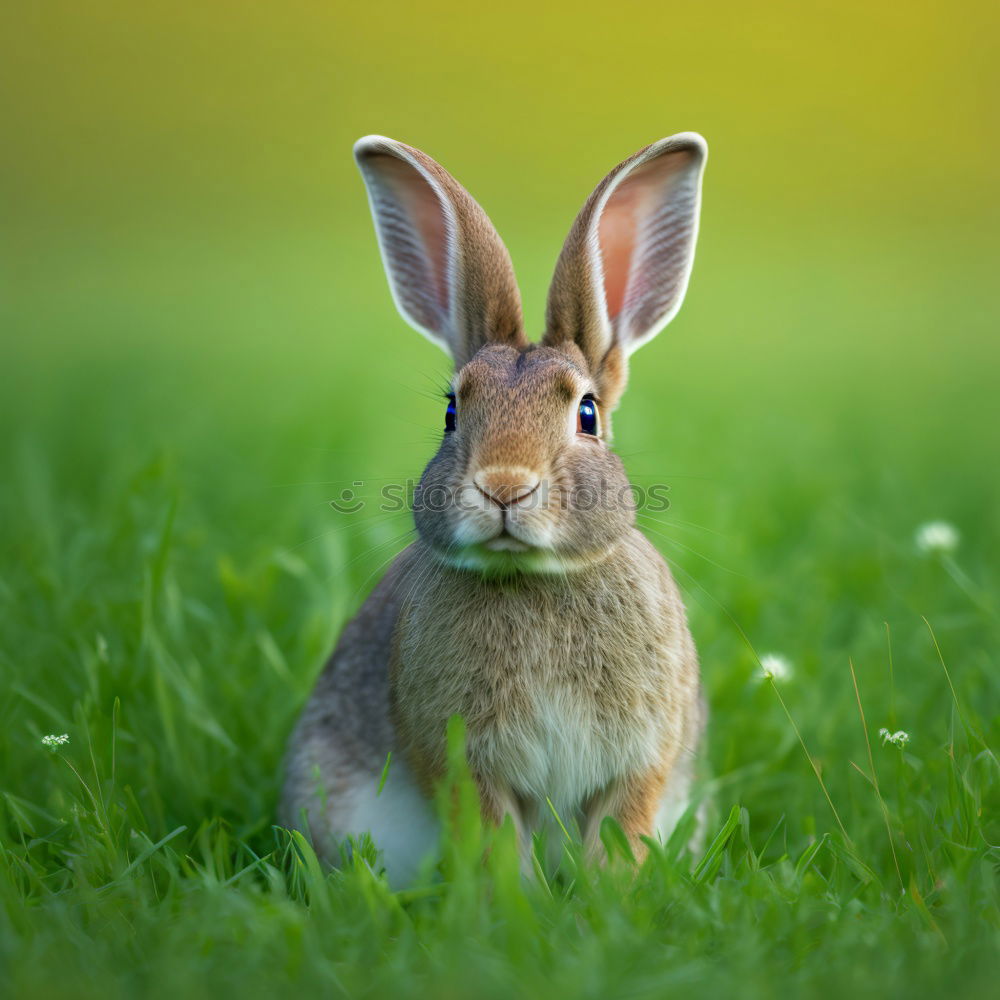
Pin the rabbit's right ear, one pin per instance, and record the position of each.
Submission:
(449, 272)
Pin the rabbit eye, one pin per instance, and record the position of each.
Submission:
(450, 415)
(586, 417)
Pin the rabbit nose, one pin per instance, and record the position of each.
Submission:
(506, 486)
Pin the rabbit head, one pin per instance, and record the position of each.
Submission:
(524, 479)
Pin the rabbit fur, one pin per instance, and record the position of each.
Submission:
(530, 603)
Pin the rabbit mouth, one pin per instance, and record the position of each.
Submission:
(506, 542)
(514, 558)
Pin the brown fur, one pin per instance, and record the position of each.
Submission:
(490, 650)
(536, 610)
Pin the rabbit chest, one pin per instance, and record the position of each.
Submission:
(562, 689)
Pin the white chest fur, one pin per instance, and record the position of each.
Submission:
(564, 751)
(563, 689)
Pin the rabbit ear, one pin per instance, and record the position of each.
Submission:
(449, 272)
(624, 270)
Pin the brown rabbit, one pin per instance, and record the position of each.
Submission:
(531, 604)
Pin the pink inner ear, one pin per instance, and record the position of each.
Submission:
(426, 217)
(617, 236)
(637, 209)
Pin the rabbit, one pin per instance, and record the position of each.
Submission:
(530, 603)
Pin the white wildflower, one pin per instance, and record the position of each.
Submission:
(775, 667)
(937, 536)
(897, 739)
(52, 740)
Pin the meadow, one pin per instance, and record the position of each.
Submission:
(199, 353)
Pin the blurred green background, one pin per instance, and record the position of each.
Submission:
(198, 350)
(181, 207)
(189, 272)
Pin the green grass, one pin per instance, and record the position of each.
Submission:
(173, 578)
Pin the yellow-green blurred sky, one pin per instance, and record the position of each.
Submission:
(203, 114)
(136, 135)
(187, 258)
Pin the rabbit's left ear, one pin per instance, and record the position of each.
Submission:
(625, 266)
